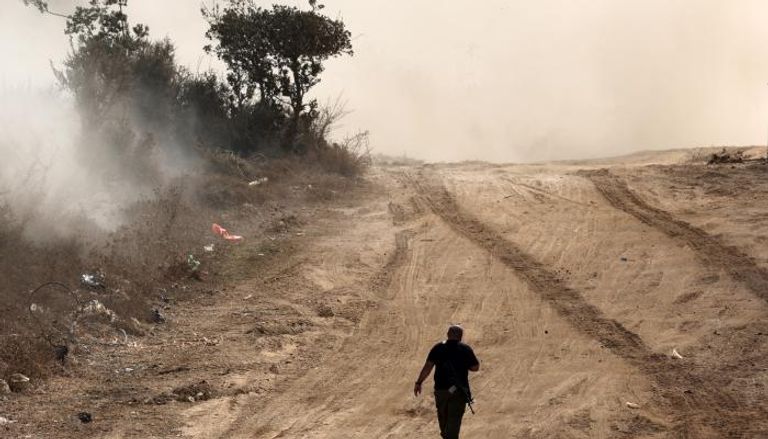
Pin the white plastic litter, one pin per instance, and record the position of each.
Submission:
(632, 405)
(209, 248)
(92, 280)
(94, 307)
(676, 354)
(258, 181)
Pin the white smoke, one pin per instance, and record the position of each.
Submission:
(46, 176)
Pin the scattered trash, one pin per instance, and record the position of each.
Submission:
(258, 181)
(676, 354)
(94, 307)
(93, 280)
(85, 417)
(5, 421)
(632, 405)
(18, 383)
(248, 297)
(221, 231)
(209, 248)
(128, 370)
(193, 263)
(4, 388)
(157, 317)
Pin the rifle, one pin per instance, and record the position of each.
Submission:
(464, 390)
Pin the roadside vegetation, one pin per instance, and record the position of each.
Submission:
(205, 148)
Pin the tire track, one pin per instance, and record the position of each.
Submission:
(712, 251)
(695, 399)
(382, 280)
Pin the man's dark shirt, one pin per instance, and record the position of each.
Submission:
(452, 362)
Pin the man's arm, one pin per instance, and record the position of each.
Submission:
(474, 363)
(425, 371)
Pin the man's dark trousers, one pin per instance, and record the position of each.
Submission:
(450, 410)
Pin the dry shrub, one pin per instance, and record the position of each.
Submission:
(24, 354)
(25, 343)
(350, 158)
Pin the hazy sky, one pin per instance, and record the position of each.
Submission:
(502, 80)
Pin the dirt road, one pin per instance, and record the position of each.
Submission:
(574, 287)
(574, 293)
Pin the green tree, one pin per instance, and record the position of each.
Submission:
(277, 53)
(113, 62)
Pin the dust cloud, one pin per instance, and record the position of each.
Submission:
(503, 80)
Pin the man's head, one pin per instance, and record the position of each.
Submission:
(455, 332)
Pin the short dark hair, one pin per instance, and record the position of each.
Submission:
(455, 331)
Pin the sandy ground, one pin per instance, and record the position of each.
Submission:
(575, 283)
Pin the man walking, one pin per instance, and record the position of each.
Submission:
(453, 360)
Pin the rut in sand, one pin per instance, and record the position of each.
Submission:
(711, 250)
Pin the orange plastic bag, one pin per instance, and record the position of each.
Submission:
(221, 231)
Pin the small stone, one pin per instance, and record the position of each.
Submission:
(18, 383)
(85, 417)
